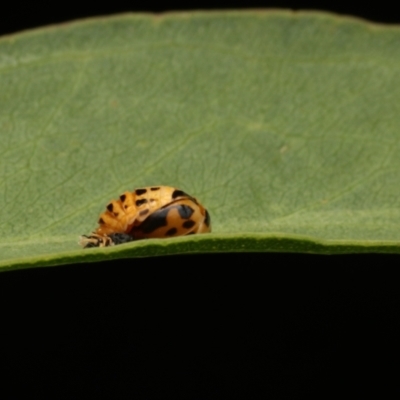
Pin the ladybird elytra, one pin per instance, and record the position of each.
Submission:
(148, 212)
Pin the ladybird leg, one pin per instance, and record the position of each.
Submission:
(95, 240)
(86, 241)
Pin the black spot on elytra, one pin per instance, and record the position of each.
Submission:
(110, 207)
(139, 192)
(155, 188)
(122, 197)
(189, 224)
(101, 221)
(144, 212)
(179, 193)
(207, 219)
(140, 202)
(171, 232)
(154, 221)
(185, 211)
(119, 238)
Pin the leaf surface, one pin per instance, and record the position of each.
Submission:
(284, 125)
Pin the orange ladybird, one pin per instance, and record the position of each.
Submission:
(149, 212)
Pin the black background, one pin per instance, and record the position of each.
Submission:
(204, 326)
(18, 15)
(201, 326)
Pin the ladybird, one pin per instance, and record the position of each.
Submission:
(149, 212)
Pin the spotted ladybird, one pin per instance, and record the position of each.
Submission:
(149, 212)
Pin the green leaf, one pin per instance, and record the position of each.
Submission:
(284, 125)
